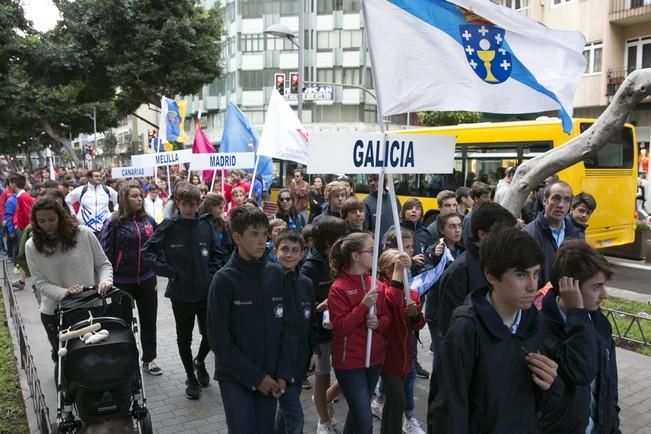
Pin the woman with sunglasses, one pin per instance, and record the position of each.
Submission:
(286, 211)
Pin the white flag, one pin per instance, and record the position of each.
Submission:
(470, 55)
(283, 136)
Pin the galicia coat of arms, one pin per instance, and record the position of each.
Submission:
(483, 45)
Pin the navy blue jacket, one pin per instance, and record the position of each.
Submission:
(123, 242)
(482, 383)
(251, 323)
(184, 251)
(584, 349)
(304, 305)
(539, 229)
(459, 280)
(317, 269)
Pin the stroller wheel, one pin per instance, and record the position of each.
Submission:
(144, 424)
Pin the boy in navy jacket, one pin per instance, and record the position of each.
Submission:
(252, 328)
(579, 338)
(184, 250)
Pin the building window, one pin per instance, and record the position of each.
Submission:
(252, 80)
(327, 40)
(351, 38)
(560, 2)
(593, 53)
(351, 76)
(324, 75)
(351, 6)
(251, 43)
(638, 53)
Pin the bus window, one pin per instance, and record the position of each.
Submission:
(482, 162)
(530, 150)
(617, 154)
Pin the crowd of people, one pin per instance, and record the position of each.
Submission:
(283, 292)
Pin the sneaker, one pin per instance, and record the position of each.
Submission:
(376, 408)
(18, 285)
(306, 384)
(422, 373)
(202, 373)
(152, 368)
(325, 428)
(412, 426)
(193, 389)
(331, 413)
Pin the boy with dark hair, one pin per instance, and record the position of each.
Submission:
(184, 250)
(480, 193)
(252, 328)
(465, 274)
(490, 375)
(326, 231)
(464, 200)
(354, 213)
(579, 338)
(289, 247)
(583, 205)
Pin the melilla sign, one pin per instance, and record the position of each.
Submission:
(162, 158)
(363, 153)
(222, 161)
(131, 172)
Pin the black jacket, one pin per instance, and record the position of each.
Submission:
(539, 229)
(584, 350)
(304, 305)
(184, 251)
(251, 323)
(459, 280)
(317, 269)
(370, 202)
(482, 383)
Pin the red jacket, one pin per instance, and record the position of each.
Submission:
(400, 356)
(23, 210)
(348, 317)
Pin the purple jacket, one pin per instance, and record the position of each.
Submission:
(122, 243)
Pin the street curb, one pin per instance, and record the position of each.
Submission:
(629, 295)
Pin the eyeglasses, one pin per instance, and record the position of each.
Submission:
(365, 250)
(284, 199)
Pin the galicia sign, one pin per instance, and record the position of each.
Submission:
(223, 161)
(131, 172)
(162, 158)
(363, 153)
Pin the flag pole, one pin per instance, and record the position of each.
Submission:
(169, 182)
(212, 183)
(392, 198)
(255, 170)
(223, 183)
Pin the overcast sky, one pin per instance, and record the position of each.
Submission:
(42, 13)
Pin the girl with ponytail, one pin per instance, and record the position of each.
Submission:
(349, 301)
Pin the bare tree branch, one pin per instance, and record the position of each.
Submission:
(529, 174)
(67, 144)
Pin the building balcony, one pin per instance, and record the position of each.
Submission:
(627, 12)
(614, 79)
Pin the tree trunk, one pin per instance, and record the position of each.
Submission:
(67, 144)
(529, 174)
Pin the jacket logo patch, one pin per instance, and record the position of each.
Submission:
(352, 291)
(278, 311)
(175, 246)
(242, 302)
(307, 311)
(276, 299)
(204, 252)
(149, 230)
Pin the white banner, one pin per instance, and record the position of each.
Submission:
(361, 153)
(161, 158)
(223, 161)
(131, 172)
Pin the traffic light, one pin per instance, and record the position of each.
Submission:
(280, 83)
(293, 82)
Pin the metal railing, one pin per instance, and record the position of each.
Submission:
(26, 358)
(632, 326)
(615, 78)
(623, 9)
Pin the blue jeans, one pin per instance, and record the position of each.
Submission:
(247, 411)
(357, 386)
(289, 419)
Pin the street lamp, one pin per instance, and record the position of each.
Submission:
(94, 118)
(282, 31)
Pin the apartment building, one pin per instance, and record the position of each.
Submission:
(618, 41)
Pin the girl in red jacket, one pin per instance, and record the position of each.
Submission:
(405, 318)
(349, 301)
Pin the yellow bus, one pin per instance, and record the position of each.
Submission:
(610, 175)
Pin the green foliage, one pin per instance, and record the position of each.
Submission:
(12, 408)
(622, 322)
(437, 119)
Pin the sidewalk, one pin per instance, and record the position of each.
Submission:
(173, 413)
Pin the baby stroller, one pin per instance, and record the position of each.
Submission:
(98, 374)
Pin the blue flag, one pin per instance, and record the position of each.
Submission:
(240, 136)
